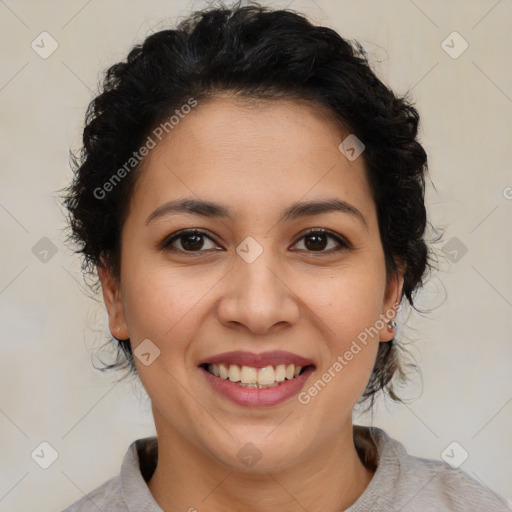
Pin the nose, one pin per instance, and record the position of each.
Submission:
(257, 297)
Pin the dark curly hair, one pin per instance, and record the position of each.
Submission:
(251, 51)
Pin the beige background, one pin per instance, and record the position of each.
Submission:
(48, 326)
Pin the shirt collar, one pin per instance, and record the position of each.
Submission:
(140, 459)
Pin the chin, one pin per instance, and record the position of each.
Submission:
(257, 454)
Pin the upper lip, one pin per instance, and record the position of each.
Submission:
(260, 360)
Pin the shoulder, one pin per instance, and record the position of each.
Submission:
(107, 496)
(128, 490)
(407, 483)
(440, 487)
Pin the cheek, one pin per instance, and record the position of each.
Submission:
(160, 303)
(348, 309)
(348, 315)
(349, 301)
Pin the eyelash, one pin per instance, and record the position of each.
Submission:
(167, 242)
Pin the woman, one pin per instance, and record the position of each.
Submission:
(252, 198)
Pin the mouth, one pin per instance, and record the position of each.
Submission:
(257, 380)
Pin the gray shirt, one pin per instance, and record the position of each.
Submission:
(400, 483)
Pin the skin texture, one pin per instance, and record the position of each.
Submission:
(255, 158)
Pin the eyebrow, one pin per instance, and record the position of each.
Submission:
(295, 211)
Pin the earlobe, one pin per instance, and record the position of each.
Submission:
(391, 304)
(113, 302)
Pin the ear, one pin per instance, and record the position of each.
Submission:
(113, 301)
(392, 298)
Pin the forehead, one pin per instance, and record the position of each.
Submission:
(255, 153)
(230, 125)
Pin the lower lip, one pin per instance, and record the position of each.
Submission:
(253, 397)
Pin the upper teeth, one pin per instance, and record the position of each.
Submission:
(249, 375)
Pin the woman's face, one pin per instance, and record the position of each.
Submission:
(254, 282)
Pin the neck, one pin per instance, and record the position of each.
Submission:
(186, 479)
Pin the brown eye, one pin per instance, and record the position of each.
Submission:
(187, 241)
(191, 242)
(318, 241)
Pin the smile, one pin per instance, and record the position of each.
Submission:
(257, 380)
